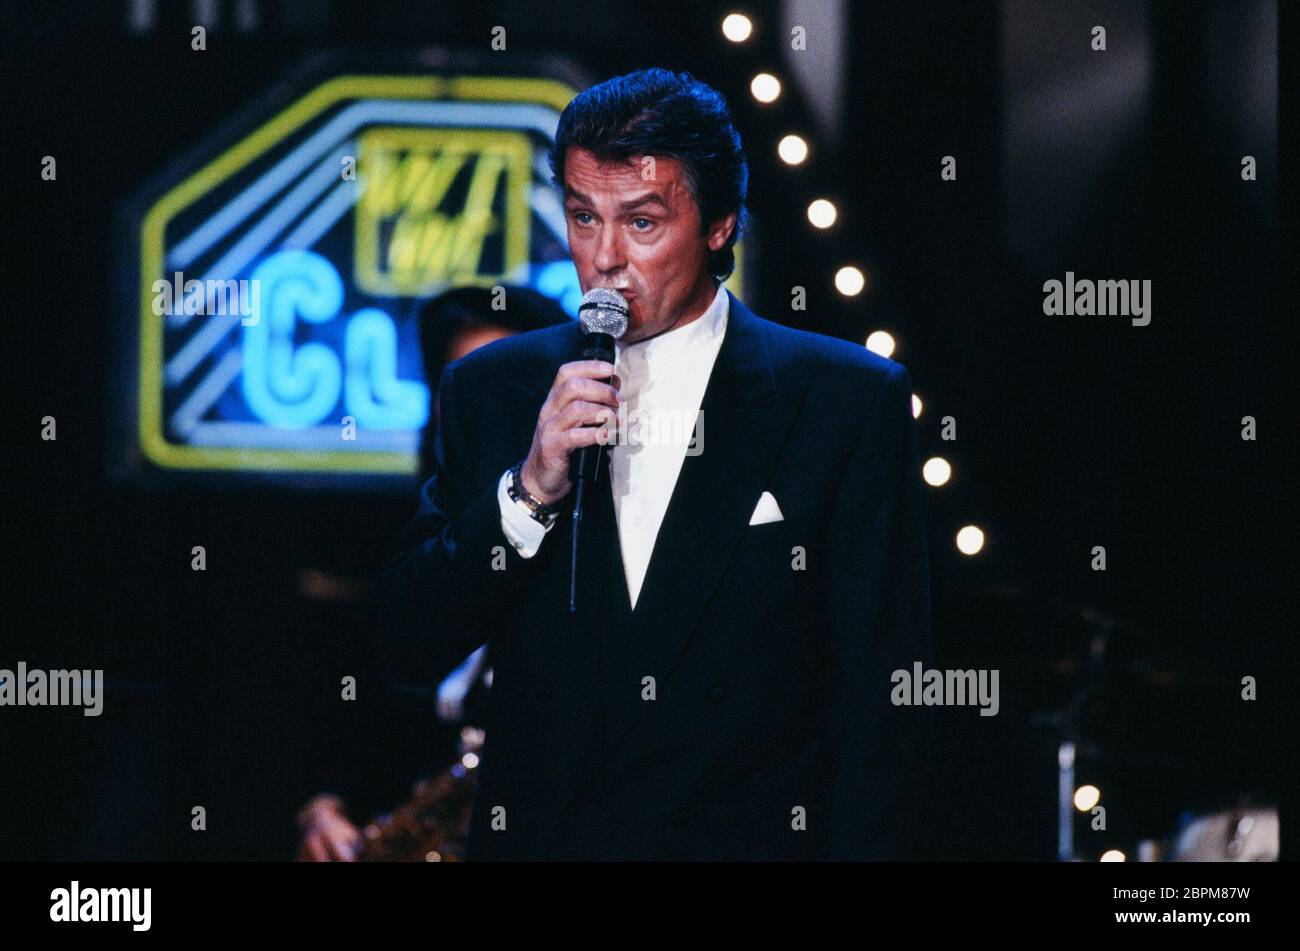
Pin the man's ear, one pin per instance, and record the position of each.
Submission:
(720, 231)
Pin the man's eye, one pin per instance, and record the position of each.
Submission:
(580, 216)
(649, 223)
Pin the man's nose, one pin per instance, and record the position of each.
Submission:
(610, 255)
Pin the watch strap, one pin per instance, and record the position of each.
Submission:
(539, 510)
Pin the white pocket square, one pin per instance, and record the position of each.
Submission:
(766, 511)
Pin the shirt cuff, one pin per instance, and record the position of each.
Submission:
(523, 531)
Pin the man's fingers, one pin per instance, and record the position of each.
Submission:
(562, 442)
(575, 373)
(584, 413)
(577, 388)
(578, 411)
(594, 390)
(593, 369)
(586, 436)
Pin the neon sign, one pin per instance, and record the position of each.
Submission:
(341, 212)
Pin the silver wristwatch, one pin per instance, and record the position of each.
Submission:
(539, 510)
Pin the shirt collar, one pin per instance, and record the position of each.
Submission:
(671, 348)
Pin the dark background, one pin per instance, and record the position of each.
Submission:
(1072, 432)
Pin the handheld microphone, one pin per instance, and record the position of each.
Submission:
(603, 315)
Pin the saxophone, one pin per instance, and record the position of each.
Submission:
(434, 825)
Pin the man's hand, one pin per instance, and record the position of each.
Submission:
(573, 416)
(328, 835)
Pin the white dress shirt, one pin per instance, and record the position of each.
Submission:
(663, 380)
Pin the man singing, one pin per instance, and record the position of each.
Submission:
(722, 691)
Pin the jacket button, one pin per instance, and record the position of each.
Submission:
(715, 694)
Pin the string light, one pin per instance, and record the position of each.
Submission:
(970, 540)
(792, 149)
(737, 27)
(882, 343)
(936, 471)
(765, 87)
(822, 213)
(850, 281)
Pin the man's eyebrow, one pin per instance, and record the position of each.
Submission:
(573, 193)
(652, 198)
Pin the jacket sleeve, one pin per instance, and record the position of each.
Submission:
(455, 575)
(880, 603)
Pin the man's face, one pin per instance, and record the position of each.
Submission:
(642, 236)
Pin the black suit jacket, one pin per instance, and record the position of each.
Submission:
(742, 711)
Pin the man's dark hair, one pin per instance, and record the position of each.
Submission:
(657, 112)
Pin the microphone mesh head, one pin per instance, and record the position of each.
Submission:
(603, 310)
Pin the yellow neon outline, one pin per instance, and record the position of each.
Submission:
(736, 281)
(153, 230)
(518, 152)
